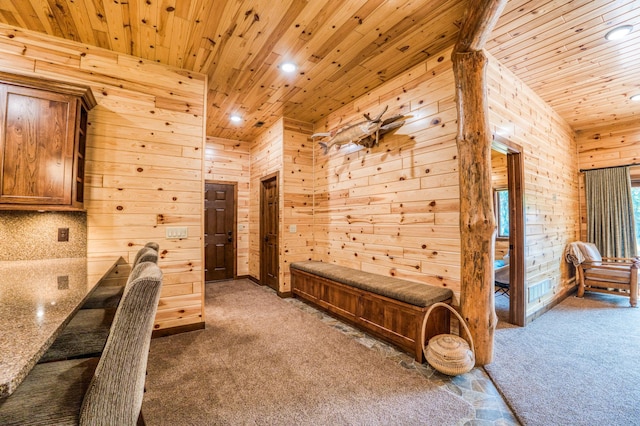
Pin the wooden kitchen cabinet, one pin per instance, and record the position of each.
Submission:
(42, 143)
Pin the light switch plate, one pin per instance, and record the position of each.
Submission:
(176, 232)
(293, 229)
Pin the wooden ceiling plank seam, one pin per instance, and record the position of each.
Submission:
(552, 10)
(595, 97)
(280, 28)
(169, 38)
(177, 46)
(184, 9)
(390, 14)
(86, 30)
(30, 15)
(361, 13)
(267, 71)
(517, 10)
(587, 86)
(10, 18)
(227, 27)
(163, 55)
(631, 6)
(202, 34)
(387, 69)
(298, 39)
(312, 36)
(147, 27)
(558, 34)
(61, 15)
(93, 14)
(520, 47)
(165, 14)
(308, 26)
(579, 69)
(44, 13)
(131, 15)
(611, 8)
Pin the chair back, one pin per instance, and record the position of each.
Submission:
(145, 254)
(153, 245)
(115, 394)
(590, 252)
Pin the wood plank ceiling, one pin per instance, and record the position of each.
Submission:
(344, 48)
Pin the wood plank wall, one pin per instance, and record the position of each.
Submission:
(144, 158)
(393, 209)
(551, 193)
(267, 157)
(609, 146)
(284, 148)
(298, 197)
(229, 161)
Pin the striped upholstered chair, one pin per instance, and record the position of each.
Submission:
(95, 391)
(86, 333)
(108, 296)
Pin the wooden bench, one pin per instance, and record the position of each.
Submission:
(389, 308)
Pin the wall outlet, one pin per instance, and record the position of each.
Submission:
(63, 234)
(176, 233)
(293, 229)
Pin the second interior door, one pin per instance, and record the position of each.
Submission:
(219, 231)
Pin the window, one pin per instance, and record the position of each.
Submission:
(635, 197)
(502, 212)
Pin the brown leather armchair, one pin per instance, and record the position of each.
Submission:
(611, 275)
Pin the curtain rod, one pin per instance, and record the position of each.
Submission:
(612, 167)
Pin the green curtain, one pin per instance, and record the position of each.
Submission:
(610, 221)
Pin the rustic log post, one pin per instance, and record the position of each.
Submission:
(477, 220)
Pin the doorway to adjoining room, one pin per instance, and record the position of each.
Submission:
(507, 182)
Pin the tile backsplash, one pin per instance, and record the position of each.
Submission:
(26, 235)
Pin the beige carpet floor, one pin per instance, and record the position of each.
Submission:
(262, 361)
(577, 364)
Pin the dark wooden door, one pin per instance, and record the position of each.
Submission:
(219, 238)
(269, 232)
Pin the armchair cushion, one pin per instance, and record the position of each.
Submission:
(617, 276)
(590, 252)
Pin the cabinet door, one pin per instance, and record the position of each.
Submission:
(36, 146)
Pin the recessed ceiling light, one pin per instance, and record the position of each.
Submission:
(619, 32)
(635, 98)
(288, 67)
(235, 118)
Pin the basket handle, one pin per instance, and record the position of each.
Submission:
(462, 321)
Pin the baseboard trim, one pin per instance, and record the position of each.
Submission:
(177, 330)
(567, 292)
(252, 278)
(285, 294)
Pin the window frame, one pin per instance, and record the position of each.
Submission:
(635, 184)
(496, 207)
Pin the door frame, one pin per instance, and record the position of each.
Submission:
(235, 226)
(515, 178)
(276, 177)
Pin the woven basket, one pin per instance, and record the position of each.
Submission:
(448, 353)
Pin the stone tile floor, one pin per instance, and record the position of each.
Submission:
(474, 387)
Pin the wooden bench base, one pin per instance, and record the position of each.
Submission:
(391, 320)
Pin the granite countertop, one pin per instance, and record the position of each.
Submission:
(37, 299)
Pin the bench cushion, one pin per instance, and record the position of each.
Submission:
(410, 292)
